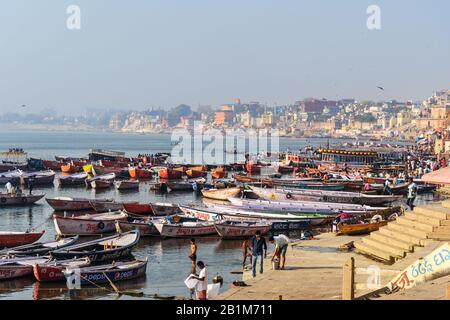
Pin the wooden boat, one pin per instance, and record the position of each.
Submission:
(127, 185)
(140, 173)
(52, 271)
(19, 199)
(114, 247)
(361, 228)
(154, 208)
(145, 226)
(399, 189)
(184, 185)
(322, 195)
(116, 271)
(185, 229)
(13, 239)
(167, 173)
(18, 267)
(297, 206)
(52, 165)
(227, 213)
(41, 178)
(191, 173)
(228, 229)
(218, 173)
(39, 248)
(101, 206)
(70, 168)
(70, 204)
(221, 194)
(285, 169)
(102, 181)
(88, 224)
(76, 179)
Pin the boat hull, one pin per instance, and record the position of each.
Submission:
(9, 240)
(75, 226)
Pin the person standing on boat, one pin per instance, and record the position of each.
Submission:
(9, 187)
(281, 244)
(31, 184)
(412, 193)
(259, 249)
(193, 255)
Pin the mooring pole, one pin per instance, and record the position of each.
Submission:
(348, 280)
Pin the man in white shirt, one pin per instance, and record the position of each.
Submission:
(202, 285)
(9, 187)
(281, 243)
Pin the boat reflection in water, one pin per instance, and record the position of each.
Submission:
(59, 290)
(15, 286)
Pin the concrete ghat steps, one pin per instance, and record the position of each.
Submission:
(408, 247)
(434, 211)
(371, 251)
(419, 225)
(395, 252)
(397, 238)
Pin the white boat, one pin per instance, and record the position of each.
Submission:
(221, 194)
(297, 206)
(279, 194)
(185, 229)
(226, 213)
(240, 229)
(89, 224)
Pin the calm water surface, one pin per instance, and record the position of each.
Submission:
(169, 264)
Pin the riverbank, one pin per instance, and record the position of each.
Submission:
(314, 272)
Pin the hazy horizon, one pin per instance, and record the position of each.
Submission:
(141, 54)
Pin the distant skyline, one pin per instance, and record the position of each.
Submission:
(162, 53)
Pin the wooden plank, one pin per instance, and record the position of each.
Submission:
(348, 280)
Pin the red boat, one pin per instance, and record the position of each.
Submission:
(139, 208)
(138, 173)
(218, 173)
(53, 271)
(70, 168)
(15, 239)
(52, 165)
(170, 173)
(69, 204)
(191, 173)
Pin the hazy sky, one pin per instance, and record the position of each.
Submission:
(137, 54)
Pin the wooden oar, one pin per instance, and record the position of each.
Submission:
(128, 293)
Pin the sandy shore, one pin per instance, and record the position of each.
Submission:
(314, 272)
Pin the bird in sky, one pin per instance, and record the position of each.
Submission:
(381, 88)
(23, 106)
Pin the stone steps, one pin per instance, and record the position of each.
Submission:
(408, 247)
(398, 238)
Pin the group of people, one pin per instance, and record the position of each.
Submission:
(15, 191)
(256, 248)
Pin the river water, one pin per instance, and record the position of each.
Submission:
(169, 264)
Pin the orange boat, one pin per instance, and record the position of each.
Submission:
(138, 173)
(218, 173)
(170, 173)
(199, 168)
(70, 168)
(191, 173)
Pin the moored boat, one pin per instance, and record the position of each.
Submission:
(70, 204)
(360, 228)
(140, 173)
(39, 248)
(185, 229)
(228, 229)
(53, 270)
(101, 206)
(76, 179)
(127, 185)
(89, 224)
(168, 173)
(113, 247)
(13, 268)
(145, 226)
(14, 239)
(221, 194)
(101, 181)
(19, 199)
(116, 271)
